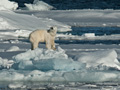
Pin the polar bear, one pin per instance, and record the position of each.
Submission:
(47, 36)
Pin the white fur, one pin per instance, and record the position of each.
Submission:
(47, 36)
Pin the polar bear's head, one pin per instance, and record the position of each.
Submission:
(52, 31)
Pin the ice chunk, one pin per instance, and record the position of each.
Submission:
(11, 20)
(39, 53)
(89, 35)
(76, 75)
(104, 59)
(46, 60)
(5, 63)
(16, 85)
(13, 48)
(26, 65)
(37, 75)
(2, 8)
(58, 64)
(10, 75)
(52, 75)
(6, 4)
(49, 65)
(38, 5)
(4, 24)
(90, 76)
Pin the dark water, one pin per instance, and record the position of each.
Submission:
(88, 41)
(77, 4)
(98, 31)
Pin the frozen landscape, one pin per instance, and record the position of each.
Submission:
(87, 54)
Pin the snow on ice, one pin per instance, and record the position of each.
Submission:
(27, 22)
(11, 20)
(13, 48)
(8, 5)
(85, 17)
(5, 25)
(89, 35)
(10, 75)
(99, 59)
(5, 63)
(46, 60)
(48, 65)
(38, 5)
(57, 60)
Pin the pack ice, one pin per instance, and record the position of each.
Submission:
(46, 60)
(48, 65)
(8, 5)
(99, 59)
(58, 60)
(38, 5)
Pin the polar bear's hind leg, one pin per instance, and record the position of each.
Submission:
(34, 45)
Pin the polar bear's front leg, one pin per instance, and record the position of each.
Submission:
(53, 45)
(48, 44)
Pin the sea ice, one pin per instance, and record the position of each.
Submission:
(46, 60)
(16, 85)
(2, 8)
(13, 48)
(49, 65)
(89, 35)
(42, 59)
(11, 75)
(5, 63)
(9, 5)
(90, 76)
(101, 60)
(4, 24)
(12, 20)
(38, 5)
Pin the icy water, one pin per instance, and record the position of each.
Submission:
(59, 86)
(99, 31)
